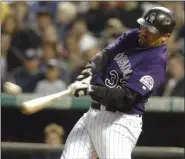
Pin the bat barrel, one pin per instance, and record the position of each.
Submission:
(32, 106)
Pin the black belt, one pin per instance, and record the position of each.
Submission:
(95, 105)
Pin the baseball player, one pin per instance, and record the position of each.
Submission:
(120, 79)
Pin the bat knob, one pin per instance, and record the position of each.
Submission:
(25, 111)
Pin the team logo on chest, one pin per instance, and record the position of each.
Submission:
(124, 65)
(114, 79)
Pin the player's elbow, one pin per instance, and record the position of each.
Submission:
(129, 99)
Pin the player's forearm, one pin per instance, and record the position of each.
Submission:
(120, 97)
(99, 61)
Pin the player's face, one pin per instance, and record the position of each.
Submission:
(147, 38)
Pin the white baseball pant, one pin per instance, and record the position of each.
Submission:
(103, 134)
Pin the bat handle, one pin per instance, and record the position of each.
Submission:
(68, 92)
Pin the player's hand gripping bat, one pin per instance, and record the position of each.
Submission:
(35, 105)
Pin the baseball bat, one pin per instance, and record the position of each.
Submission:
(35, 105)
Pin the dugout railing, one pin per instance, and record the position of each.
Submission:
(140, 151)
(155, 104)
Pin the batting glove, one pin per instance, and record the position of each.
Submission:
(79, 88)
(86, 75)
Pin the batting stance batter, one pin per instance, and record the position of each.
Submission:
(120, 79)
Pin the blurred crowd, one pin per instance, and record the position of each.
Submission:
(44, 45)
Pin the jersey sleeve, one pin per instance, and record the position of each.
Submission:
(144, 80)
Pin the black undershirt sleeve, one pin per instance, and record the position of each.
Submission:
(119, 97)
(99, 61)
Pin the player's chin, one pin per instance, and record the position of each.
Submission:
(143, 43)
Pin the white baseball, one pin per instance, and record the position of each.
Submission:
(12, 88)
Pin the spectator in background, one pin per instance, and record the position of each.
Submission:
(66, 13)
(10, 25)
(173, 45)
(28, 75)
(82, 7)
(82, 34)
(35, 6)
(72, 46)
(20, 11)
(131, 9)
(114, 28)
(50, 35)
(28, 38)
(5, 11)
(174, 86)
(95, 18)
(49, 51)
(88, 52)
(80, 40)
(5, 45)
(113, 9)
(54, 134)
(52, 83)
(43, 20)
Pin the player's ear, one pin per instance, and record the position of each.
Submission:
(167, 35)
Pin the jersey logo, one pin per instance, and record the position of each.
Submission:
(147, 81)
(124, 65)
(114, 80)
(151, 18)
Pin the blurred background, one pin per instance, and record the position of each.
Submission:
(45, 45)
